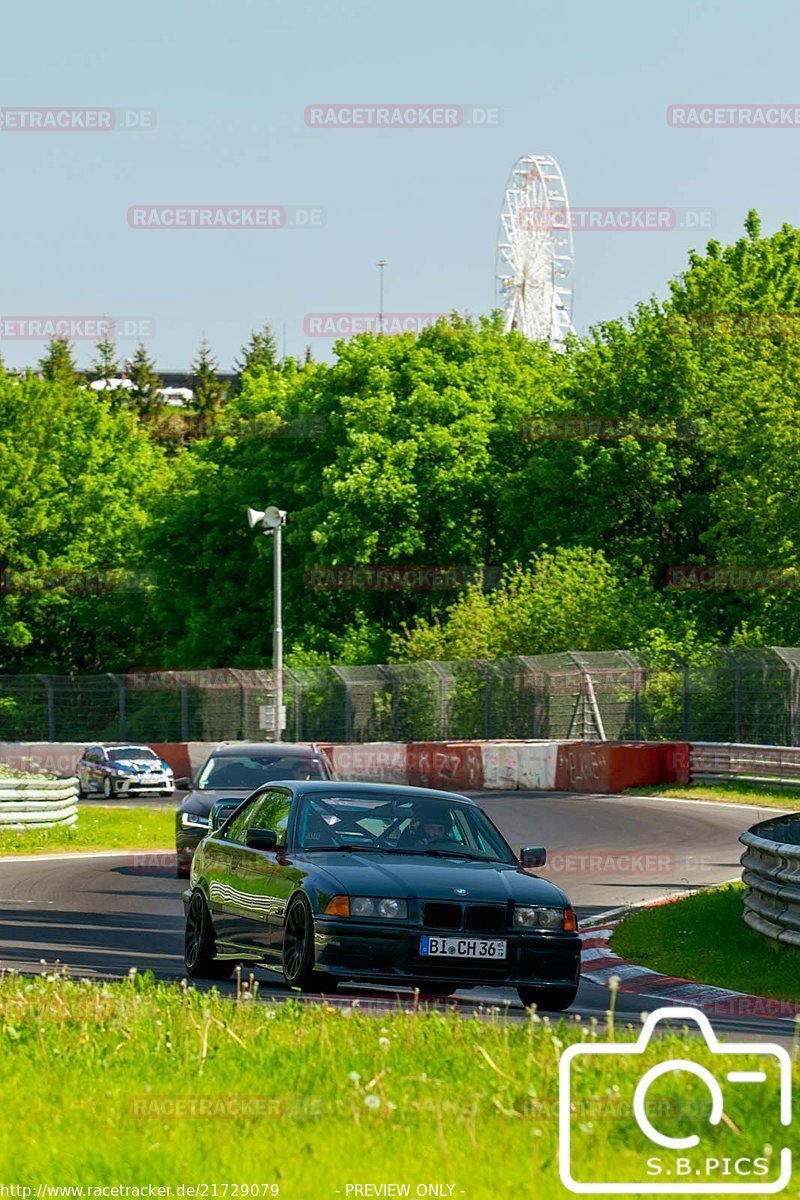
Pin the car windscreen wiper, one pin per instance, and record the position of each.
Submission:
(353, 847)
(435, 852)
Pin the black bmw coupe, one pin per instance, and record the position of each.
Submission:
(325, 882)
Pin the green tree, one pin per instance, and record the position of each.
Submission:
(76, 593)
(261, 352)
(209, 391)
(58, 365)
(145, 394)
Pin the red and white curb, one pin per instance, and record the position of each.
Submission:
(600, 965)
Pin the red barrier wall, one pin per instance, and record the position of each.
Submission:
(612, 766)
(452, 766)
(176, 754)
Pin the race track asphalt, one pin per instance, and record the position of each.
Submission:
(104, 914)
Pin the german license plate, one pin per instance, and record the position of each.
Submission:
(461, 947)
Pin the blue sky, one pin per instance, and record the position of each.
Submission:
(229, 84)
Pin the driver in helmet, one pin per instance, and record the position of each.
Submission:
(430, 825)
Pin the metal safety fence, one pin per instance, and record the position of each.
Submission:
(741, 695)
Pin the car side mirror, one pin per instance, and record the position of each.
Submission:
(220, 813)
(531, 857)
(262, 839)
(183, 784)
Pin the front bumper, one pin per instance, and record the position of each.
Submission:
(133, 786)
(378, 953)
(187, 839)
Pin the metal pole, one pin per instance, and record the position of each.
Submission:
(381, 263)
(277, 637)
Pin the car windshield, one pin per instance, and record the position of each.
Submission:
(121, 753)
(246, 772)
(401, 824)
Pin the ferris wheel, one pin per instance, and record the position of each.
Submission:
(534, 251)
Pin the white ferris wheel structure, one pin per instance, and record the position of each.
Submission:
(534, 263)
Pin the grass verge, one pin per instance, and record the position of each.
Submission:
(704, 938)
(98, 828)
(727, 793)
(150, 1084)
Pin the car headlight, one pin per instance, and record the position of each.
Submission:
(528, 917)
(383, 907)
(190, 820)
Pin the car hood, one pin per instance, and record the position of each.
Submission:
(140, 764)
(432, 878)
(201, 802)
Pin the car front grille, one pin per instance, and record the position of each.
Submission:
(476, 918)
(441, 915)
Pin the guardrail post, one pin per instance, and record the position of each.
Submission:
(51, 706)
(687, 695)
(297, 692)
(794, 683)
(119, 680)
(348, 704)
(488, 697)
(737, 694)
(184, 713)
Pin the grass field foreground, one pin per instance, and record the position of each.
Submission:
(704, 938)
(725, 793)
(98, 828)
(139, 1082)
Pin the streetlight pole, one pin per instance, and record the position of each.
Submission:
(381, 263)
(277, 630)
(272, 521)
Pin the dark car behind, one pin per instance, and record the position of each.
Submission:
(231, 772)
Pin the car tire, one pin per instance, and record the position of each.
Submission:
(549, 999)
(298, 950)
(108, 790)
(199, 946)
(81, 791)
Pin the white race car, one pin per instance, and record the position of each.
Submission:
(123, 771)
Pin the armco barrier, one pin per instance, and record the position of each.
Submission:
(771, 864)
(38, 802)
(612, 766)
(711, 761)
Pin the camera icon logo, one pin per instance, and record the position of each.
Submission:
(722, 1151)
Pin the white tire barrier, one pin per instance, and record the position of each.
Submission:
(771, 864)
(38, 803)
